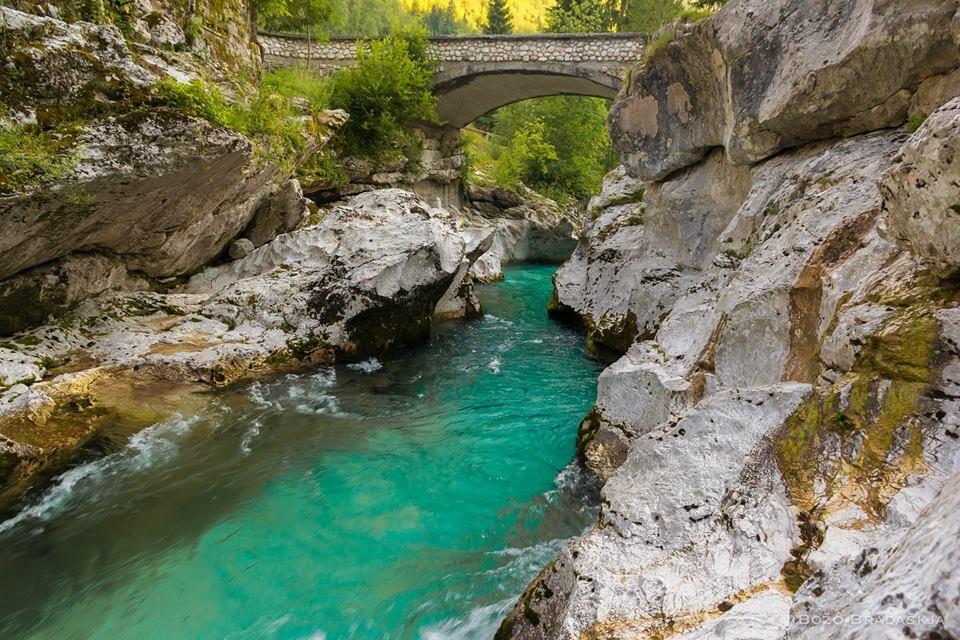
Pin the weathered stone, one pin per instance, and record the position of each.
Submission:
(763, 76)
(787, 287)
(286, 210)
(364, 281)
(642, 249)
(526, 227)
(240, 248)
(922, 193)
(34, 296)
(694, 517)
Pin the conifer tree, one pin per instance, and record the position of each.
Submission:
(498, 18)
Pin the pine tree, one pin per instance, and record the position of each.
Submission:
(498, 18)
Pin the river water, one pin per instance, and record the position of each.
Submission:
(413, 498)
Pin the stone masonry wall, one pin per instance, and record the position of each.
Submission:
(619, 49)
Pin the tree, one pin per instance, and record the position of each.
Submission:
(292, 15)
(565, 155)
(649, 15)
(582, 16)
(498, 18)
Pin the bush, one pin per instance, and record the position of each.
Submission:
(389, 89)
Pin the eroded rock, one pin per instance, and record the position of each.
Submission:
(922, 193)
(763, 76)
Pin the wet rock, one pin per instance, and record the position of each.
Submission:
(695, 516)
(364, 281)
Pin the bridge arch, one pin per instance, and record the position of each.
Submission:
(468, 93)
(478, 74)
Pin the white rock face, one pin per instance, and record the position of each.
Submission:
(645, 246)
(794, 405)
(525, 227)
(922, 193)
(694, 517)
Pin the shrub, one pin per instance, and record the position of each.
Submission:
(388, 90)
(916, 121)
(574, 129)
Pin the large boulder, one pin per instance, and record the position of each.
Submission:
(765, 75)
(922, 193)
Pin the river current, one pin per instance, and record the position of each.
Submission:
(408, 498)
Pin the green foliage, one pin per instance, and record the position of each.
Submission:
(293, 15)
(649, 16)
(583, 16)
(442, 20)
(32, 157)
(388, 90)
(294, 82)
(195, 98)
(498, 18)
(270, 116)
(326, 168)
(916, 121)
(526, 158)
(370, 18)
(574, 130)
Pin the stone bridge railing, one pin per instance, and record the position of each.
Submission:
(606, 52)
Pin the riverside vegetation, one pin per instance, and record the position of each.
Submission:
(769, 269)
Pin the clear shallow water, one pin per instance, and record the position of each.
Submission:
(414, 500)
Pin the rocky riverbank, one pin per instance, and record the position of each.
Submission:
(776, 265)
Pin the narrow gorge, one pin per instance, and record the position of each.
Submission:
(262, 378)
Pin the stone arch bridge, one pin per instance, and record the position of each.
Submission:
(478, 74)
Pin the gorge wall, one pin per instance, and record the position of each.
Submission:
(776, 265)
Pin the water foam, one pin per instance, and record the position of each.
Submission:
(367, 366)
(145, 449)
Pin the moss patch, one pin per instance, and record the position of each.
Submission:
(870, 411)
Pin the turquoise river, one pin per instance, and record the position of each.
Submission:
(413, 498)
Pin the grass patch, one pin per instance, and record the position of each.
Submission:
(916, 121)
(277, 116)
(30, 157)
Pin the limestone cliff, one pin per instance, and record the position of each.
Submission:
(776, 268)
